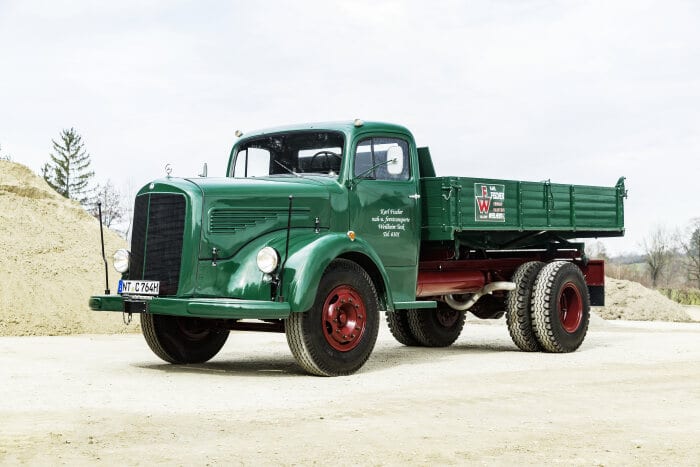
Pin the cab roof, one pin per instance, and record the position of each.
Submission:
(346, 127)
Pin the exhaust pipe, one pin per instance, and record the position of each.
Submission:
(488, 289)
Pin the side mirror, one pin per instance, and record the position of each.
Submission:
(204, 171)
(394, 157)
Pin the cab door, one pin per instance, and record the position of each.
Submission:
(385, 208)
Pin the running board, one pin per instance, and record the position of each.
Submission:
(415, 305)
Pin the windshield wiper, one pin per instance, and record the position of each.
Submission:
(286, 168)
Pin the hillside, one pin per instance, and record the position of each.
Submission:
(50, 261)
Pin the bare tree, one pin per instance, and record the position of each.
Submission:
(657, 249)
(112, 207)
(597, 250)
(691, 248)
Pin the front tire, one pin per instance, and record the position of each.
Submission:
(180, 340)
(436, 328)
(337, 335)
(560, 307)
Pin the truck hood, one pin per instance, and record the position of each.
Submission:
(237, 211)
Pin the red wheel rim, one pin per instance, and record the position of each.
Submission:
(344, 317)
(570, 307)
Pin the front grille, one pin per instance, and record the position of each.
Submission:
(156, 240)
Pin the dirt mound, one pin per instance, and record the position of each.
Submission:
(632, 301)
(51, 260)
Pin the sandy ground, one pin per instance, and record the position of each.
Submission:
(693, 311)
(630, 395)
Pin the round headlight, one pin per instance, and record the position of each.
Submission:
(268, 259)
(121, 260)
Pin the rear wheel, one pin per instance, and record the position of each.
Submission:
(560, 307)
(400, 329)
(182, 340)
(518, 308)
(436, 328)
(337, 335)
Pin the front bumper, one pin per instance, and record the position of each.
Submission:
(222, 308)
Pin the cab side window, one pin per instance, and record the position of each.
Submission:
(382, 159)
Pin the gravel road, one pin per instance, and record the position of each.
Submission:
(630, 395)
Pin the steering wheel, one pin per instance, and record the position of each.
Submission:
(326, 155)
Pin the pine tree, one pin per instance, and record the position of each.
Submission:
(69, 172)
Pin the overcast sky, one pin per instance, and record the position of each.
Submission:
(573, 91)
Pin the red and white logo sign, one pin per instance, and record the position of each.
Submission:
(489, 202)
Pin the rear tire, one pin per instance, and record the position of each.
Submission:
(560, 307)
(436, 328)
(180, 340)
(400, 329)
(518, 307)
(337, 335)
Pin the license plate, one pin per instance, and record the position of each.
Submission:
(139, 287)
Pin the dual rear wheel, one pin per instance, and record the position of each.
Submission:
(549, 309)
(426, 328)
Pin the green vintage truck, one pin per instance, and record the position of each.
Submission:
(318, 228)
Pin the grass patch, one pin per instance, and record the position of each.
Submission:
(683, 296)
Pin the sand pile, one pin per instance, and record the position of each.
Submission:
(50, 260)
(632, 301)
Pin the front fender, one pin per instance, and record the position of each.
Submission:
(310, 258)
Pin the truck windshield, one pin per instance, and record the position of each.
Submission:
(290, 155)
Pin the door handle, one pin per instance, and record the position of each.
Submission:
(416, 196)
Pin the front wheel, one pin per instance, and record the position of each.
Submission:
(560, 307)
(337, 335)
(182, 340)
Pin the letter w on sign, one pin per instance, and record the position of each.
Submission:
(483, 201)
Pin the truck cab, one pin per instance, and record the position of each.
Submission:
(370, 174)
